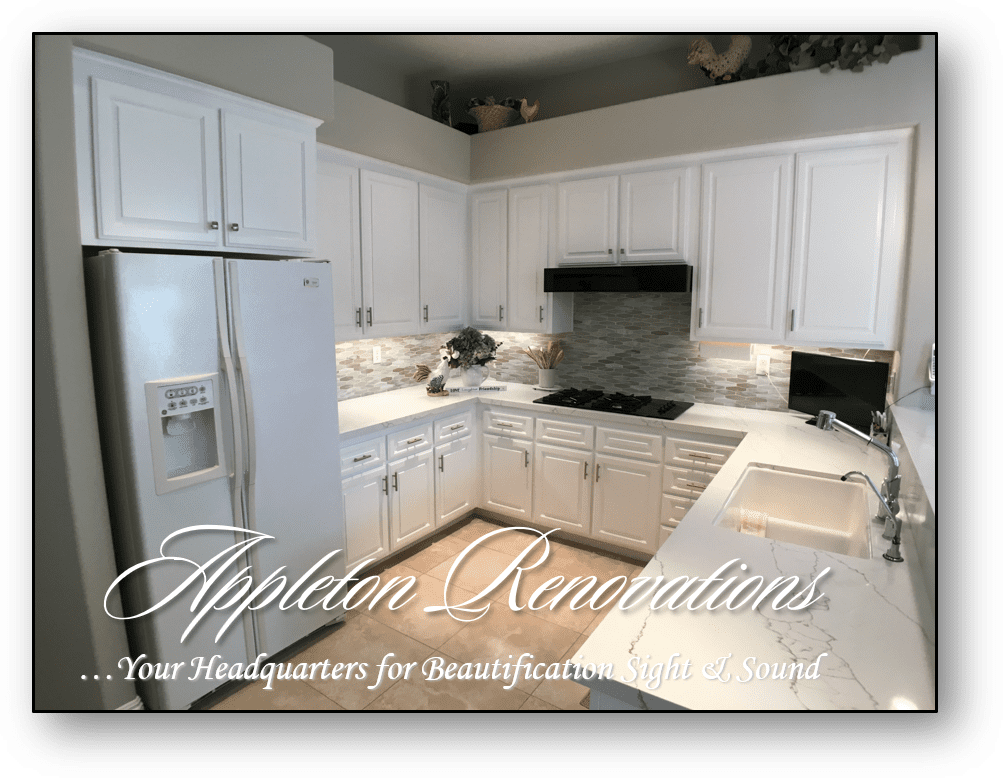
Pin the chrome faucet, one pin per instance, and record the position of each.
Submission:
(893, 524)
(890, 488)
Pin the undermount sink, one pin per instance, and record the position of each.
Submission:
(816, 510)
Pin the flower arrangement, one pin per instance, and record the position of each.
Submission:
(472, 348)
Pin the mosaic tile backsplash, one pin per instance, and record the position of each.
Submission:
(632, 342)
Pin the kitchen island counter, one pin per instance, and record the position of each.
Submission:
(873, 632)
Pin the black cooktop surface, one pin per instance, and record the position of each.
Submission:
(628, 404)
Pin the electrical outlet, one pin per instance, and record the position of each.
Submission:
(377, 355)
(763, 364)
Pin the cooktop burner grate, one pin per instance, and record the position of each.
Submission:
(617, 402)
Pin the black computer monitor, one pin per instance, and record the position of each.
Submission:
(850, 388)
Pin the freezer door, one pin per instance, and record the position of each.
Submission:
(283, 334)
(153, 323)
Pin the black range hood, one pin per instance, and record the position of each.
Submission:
(619, 278)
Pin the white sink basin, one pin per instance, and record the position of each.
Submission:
(816, 510)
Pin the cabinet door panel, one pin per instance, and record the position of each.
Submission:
(456, 477)
(489, 255)
(626, 502)
(443, 235)
(270, 175)
(338, 242)
(587, 221)
(366, 526)
(655, 212)
(744, 250)
(508, 476)
(847, 246)
(529, 210)
(562, 488)
(156, 167)
(412, 499)
(390, 254)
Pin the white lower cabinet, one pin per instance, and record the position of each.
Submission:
(626, 502)
(508, 476)
(455, 479)
(412, 499)
(365, 502)
(563, 488)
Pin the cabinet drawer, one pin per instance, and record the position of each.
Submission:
(635, 445)
(685, 483)
(410, 441)
(512, 425)
(362, 456)
(453, 427)
(674, 509)
(704, 454)
(564, 433)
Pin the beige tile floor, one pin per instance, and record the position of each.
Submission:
(414, 636)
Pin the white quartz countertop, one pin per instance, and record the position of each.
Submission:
(879, 651)
(916, 418)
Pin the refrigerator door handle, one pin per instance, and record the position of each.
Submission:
(245, 374)
(231, 383)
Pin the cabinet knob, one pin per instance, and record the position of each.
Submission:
(234, 227)
(213, 225)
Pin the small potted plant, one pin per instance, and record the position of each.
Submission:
(472, 350)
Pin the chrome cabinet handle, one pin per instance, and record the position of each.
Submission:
(609, 251)
(586, 476)
(395, 482)
(698, 456)
(621, 251)
(696, 486)
(504, 424)
(234, 227)
(362, 458)
(597, 473)
(426, 313)
(501, 308)
(385, 489)
(700, 318)
(527, 457)
(541, 313)
(358, 317)
(441, 458)
(414, 440)
(457, 426)
(213, 225)
(792, 320)
(369, 316)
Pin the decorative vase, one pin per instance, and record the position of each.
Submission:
(548, 378)
(474, 375)
(440, 102)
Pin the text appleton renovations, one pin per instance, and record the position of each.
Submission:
(215, 593)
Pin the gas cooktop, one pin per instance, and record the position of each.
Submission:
(628, 404)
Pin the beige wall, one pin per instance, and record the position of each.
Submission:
(796, 105)
(373, 127)
(74, 562)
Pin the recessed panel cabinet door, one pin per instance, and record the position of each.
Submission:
(508, 476)
(338, 242)
(489, 258)
(626, 500)
(744, 250)
(365, 517)
(455, 479)
(157, 167)
(270, 176)
(847, 249)
(443, 228)
(563, 488)
(656, 209)
(587, 221)
(529, 209)
(412, 499)
(390, 270)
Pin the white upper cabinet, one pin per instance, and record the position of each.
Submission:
(389, 207)
(805, 248)
(156, 167)
(443, 235)
(164, 162)
(269, 172)
(745, 219)
(847, 252)
(338, 242)
(489, 258)
(646, 217)
(529, 250)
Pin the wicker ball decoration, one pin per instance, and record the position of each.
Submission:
(493, 117)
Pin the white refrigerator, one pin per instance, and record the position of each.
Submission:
(217, 397)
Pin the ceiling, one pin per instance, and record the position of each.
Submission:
(467, 57)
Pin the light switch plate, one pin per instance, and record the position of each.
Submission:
(377, 355)
(763, 364)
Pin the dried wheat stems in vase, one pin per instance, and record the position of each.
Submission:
(547, 358)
